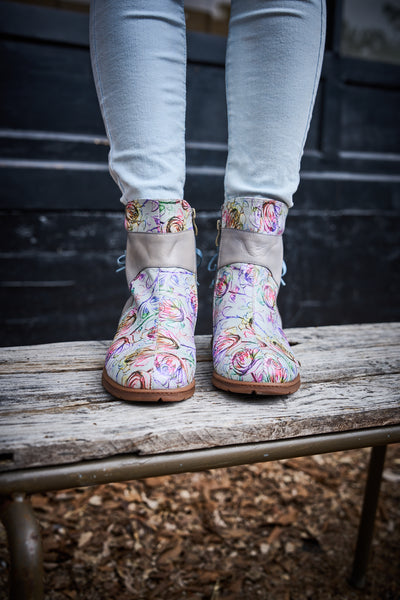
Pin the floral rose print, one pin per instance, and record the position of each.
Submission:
(259, 215)
(248, 341)
(158, 216)
(154, 344)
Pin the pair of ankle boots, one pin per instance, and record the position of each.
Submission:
(153, 355)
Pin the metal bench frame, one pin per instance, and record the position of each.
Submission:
(23, 532)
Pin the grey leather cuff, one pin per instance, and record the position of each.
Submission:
(237, 246)
(160, 250)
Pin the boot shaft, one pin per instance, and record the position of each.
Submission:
(250, 232)
(160, 234)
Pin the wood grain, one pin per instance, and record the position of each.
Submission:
(82, 356)
(54, 410)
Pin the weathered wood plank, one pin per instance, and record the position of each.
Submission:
(54, 410)
(63, 356)
(35, 393)
(208, 419)
(89, 355)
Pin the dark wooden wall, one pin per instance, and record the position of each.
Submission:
(62, 223)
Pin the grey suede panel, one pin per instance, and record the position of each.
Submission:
(160, 250)
(238, 246)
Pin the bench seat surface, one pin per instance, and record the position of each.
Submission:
(53, 409)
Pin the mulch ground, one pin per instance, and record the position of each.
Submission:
(278, 531)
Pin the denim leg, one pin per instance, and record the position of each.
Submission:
(273, 64)
(138, 53)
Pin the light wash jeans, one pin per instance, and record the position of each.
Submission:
(273, 64)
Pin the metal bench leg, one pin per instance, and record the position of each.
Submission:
(25, 546)
(366, 527)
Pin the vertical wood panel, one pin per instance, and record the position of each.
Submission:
(61, 228)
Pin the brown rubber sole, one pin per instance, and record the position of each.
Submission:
(141, 395)
(249, 387)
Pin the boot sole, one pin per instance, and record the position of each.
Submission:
(249, 387)
(140, 395)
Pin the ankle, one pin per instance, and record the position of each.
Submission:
(257, 215)
(251, 233)
(161, 234)
(158, 216)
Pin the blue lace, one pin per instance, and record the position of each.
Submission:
(284, 271)
(199, 257)
(121, 263)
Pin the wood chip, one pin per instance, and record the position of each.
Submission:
(274, 544)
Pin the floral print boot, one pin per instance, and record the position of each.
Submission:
(250, 350)
(152, 356)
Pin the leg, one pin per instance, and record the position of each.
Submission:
(23, 533)
(138, 53)
(273, 64)
(366, 527)
(138, 50)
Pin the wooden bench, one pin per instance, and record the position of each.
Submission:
(60, 429)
